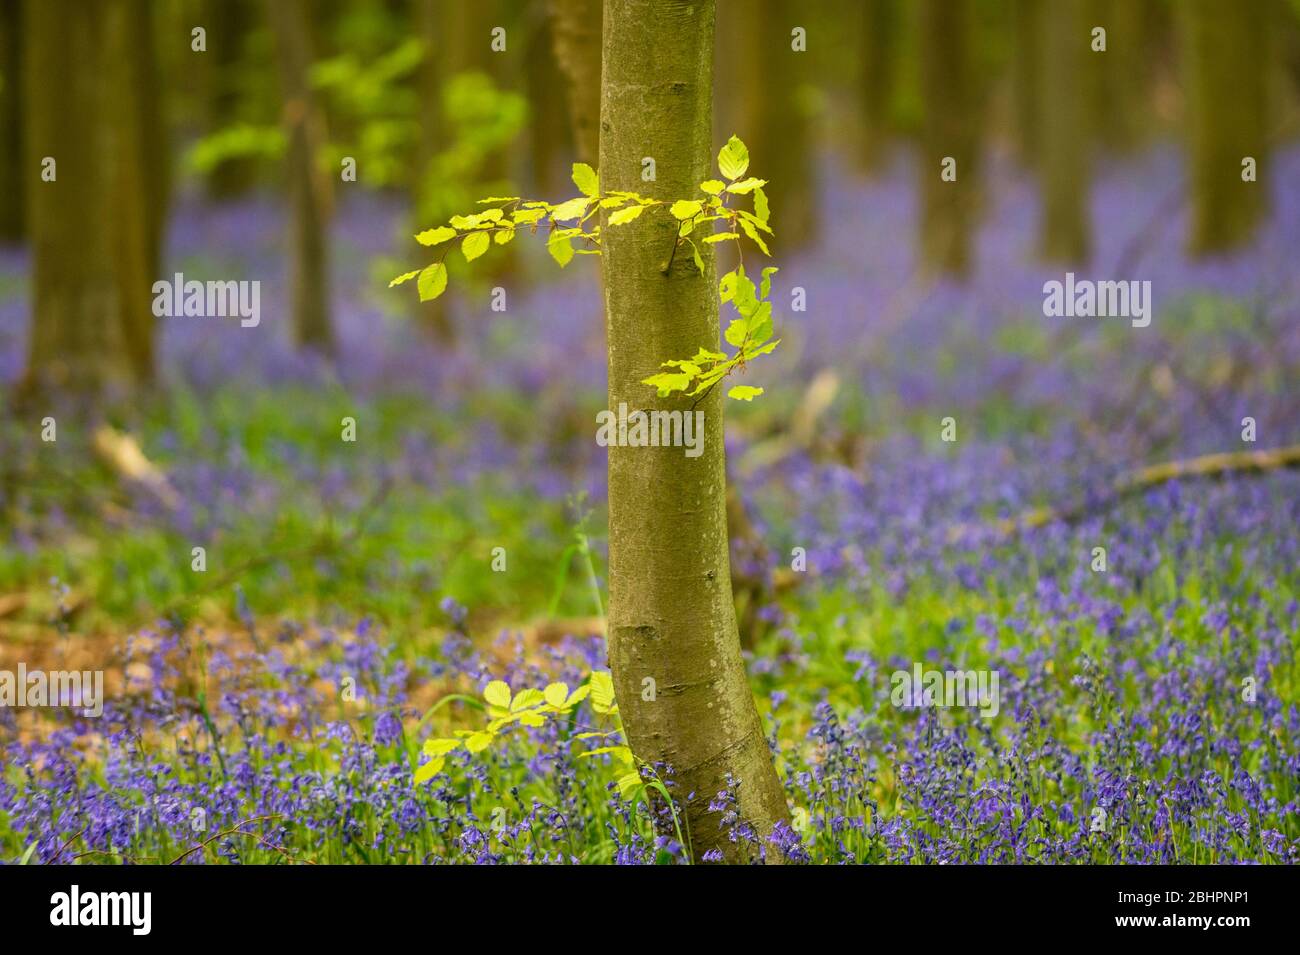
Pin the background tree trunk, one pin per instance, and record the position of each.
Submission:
(1027, 77)
(1225, 49)
(1063, 166)
(575, 28)
(95, 230)
(229, 22)
(879, 39)
(310, 193)
(671, 613)
(948, 129)
(13, 171)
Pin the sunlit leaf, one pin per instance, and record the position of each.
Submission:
(585, 178)
(733, 159)
(744, 392)
(624, 216)
(433, 281)
(475, 244)
(434, 236)
(430, 769)
(556, 694)
(498, 694)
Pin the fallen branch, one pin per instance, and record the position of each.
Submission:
(1134, 482)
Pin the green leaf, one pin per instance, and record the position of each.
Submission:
(712, 186)
(753, 234)
(433, 281)
(573, 209)
(720, 237)
(475, 244)
(526, 698)
(746, 186)
(668, 381)
(434, 236)
(760, 324)
(602, 691)
(504, 236)
(478, 742)
(686, 208)
(497, 693)
(737, 331)
(733, 159)
(561, 248)
(404, 277)
(744, 392)
(765, 285)
(585, 178)
(624, 216)
(441, 747)
(529, 216)
(629, 783)
(430, 769)
(556, 694)
(761, 208)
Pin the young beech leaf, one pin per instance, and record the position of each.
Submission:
(430, 769)
(733, 159)
(746, 186)
(433, 281)
(585, 178)
(497, 693)
(686, 208)
(560, 247)
(404, 277)
(712, 186)
(572, 209)
(434, 236)
(744, 392)
(625, 215)
(753, 234)
(736, 331)
(504, 236)
(475, 244)
(765, 285)
(761, 209)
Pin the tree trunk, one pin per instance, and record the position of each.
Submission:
(948, 130)
(95, 229)
(1027, 77)
(671, 614)
(229, 23)
(13, 173)
(309, 187)
(1063, 166)
(879, 36)
(575, 26)
(770, 110)
(1225, 45)
(1117, 78)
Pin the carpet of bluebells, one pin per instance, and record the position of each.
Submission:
(1149, 713)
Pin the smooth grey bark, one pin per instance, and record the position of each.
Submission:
(671, 615)
(310, 195)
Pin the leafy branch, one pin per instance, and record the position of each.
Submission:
(573, 228)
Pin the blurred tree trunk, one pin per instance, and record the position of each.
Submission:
(96, 226)
(772, 111)
(1027, 77)
(949, 129)
(1064, 232)
(879, 35)
(1117, 78)
(229, 22)
(548, 113)
(671, 615)
(13, 172)
(1225, 44)
(431, 27)
(309, 188)
(575, 27)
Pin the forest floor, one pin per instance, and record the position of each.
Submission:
(274, 706)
